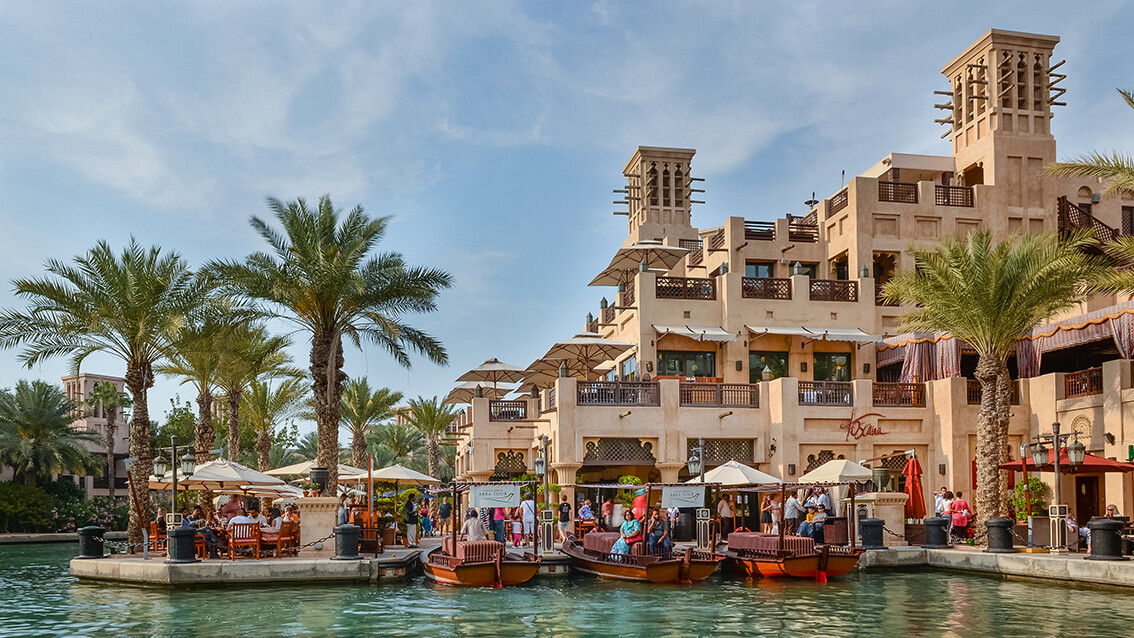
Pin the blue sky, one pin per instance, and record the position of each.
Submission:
(492, 132)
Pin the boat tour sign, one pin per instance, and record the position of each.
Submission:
(683, 496)
(495, 495)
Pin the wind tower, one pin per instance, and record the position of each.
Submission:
(659, 194)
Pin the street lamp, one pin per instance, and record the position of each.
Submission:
(545, 516)
(696, 466)
(188, 466)
(1076, 454)
(696, 463)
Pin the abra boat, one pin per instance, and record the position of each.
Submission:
(756, 555)
(593, 556)
(478, 564)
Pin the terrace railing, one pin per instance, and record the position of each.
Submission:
(803, 229)
(702, 288)
(953, 196)
(514, 410)
(899, 394)
(628, 294)
(618, 393)
(549, 399)
(734, 395)
(759, 231)
(696, 250)
(837, 203)
(717, 242)
(1072, 217)
(1084, 383)
(900, 192)
(607, 314)
(826, 393)
(833, 290)
(765, 288)
(972, 392)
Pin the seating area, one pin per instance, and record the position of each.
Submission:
(760, 543)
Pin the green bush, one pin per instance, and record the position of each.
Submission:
(64, 489)
(1038, 491)
(103, 511)
(24, 508)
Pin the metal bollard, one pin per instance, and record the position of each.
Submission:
(935, 535)
(1106, 544)
(182, 545)
(346, 542)
(999, 536)
(871, 529)
(91, 543)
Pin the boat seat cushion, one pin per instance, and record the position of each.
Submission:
(770, 542)
(603, 543)
(473, 551)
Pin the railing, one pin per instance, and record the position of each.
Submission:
(803, 229)
(833, 290)
(686, 288)
(628, 294)
(607, 314)
(826, 393)
(516, 410)
(837, 203)
(1072, 217)
(549, 399)
(878, 300)
(973, 392)
(899, 394)
(759, 231)
(734, 395)
(1084, 383)
(618, 393)
(592, 326)
(899, 192)
(953, 196)
(696, 252)
(717, 242)
(765, 288)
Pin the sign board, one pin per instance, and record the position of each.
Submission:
(494, 495)
(683, 496)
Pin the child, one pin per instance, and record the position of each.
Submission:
(517, 531)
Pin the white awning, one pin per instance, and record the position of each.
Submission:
(696, 332)
(824, 334)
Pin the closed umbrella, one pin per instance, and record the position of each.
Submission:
(915, 504)
(628, 260)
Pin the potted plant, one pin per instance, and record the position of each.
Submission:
(1028, 499)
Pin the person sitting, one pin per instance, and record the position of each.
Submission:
(186, 519)
(585, 512)
(1076, 533)
(292, 514)
(242, 517)
(273, 526)
(159, 520)
(257, 517)
(1112, 511)
(426, 524)
(473, 529)
(818, 522)
(807, 527)
(660, 543)
(630, 532)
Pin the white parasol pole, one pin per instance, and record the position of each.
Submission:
(370, 482)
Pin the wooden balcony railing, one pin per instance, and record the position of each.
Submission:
(899, 394)
(803, 229)
(686, 288)
(1083, 383)
(516, 410)
(759, 231)
(628, 294)
(717, 242)
(607, 314)
(696, 250)
(618, 393)
(972, 392)
(899, 192)
(732, 395)
(837, 203)
(953, 196)
(833, 290)
(826, 393)
(592, 326)
(1072, 217)
(765, 288)
(549, 399)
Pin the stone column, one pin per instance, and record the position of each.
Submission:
(317, 518)
(669, 471)
(565, 475)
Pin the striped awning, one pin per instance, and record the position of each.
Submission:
(823, 334)
(697, 333)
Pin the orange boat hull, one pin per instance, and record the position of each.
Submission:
(671, 570)
(512, 572)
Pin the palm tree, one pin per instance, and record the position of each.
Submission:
(431, 418)
(247, 353)
(131, 306)
(195, 359)
(107, 396)
(36, 437)
(991, 296)
(1116, 168)
(323, 277)
(308, 446)
(362, 409)
(267, 407)
(404, 442)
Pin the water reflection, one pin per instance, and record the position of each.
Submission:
(38, 598)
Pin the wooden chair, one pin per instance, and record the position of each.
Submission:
(287, 540)
(244, 535)
(157, 538)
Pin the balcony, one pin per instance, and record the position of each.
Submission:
(618, 393)
(765, 288)
(803, 229)
(725, 395)
(972, 392)
(953, 196)
(899, 395)
(628, 294)
(700, 288)
(826, 393)
(508, 411)
(1083, 384)
(759, 231)
(606, 315)
(549, 399)
(1073, 217)
(837, 203)
(717, 242)
(898, 192)
(833, 290)
(696, 252)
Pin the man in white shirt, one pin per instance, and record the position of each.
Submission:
(528, 510)
(242, 517)
(793, 512)
(257, 517)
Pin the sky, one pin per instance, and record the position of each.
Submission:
(492, 132)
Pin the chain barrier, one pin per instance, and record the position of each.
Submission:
(893, 533)
(123, 547)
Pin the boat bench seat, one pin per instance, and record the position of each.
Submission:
(603, 543)
(770, 542)
(472, 551)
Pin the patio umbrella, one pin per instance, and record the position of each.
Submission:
(401, 475)
(587, 350)
(628, 260)
(734, 474)
(465, 392)
(1091, 465)
(304, 469)
(493, 371)
(223, 473)
(837, 471)
(915, 504)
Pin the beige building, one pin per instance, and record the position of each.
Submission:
(767, 338)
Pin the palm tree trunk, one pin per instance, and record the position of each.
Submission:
(1004, 417)
(434, 457)
(109, 431)
(204, 436)
(139, 378)
(986, 500)
(358, 446)
(264, 446)
(327, 386)
(234, 425)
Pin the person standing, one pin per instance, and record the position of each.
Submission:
(960, 509)
(939, 501)
(499, 518)
(724, 513)
(564, 518)
(608, 514)
(793, 512)
(444, 516)
(528, 510)
(947, 510)
(824, 501)
(411, 522)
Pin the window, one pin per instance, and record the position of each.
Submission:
(776, 361)
(760, 269)
(675, 363)
(1128, 220)
(832, 366)
(629, 369)
(805, 269)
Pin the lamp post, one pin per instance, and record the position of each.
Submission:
(1076, 453)
(696, 465)
(188, 466)
(545, 515)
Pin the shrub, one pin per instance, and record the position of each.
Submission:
(103, 511)
(23, 508)
(1038, 491)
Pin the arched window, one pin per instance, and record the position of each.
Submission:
(678, 187)
(665, 186)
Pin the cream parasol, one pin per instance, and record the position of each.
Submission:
(628, 260)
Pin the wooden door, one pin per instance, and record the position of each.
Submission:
(1086, 498)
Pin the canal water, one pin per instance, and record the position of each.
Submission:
(39, 598)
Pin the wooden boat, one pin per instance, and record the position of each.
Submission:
(756, 555)
(593, 556)
(479, 564)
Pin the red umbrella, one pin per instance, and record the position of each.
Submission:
(915, 504)
(1091, 465)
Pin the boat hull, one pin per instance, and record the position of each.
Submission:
(672, 570)
(787, 567)
(482, 574)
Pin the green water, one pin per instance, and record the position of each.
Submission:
(38, 598)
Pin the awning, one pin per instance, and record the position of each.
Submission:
(824, 334)
(697, 333)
